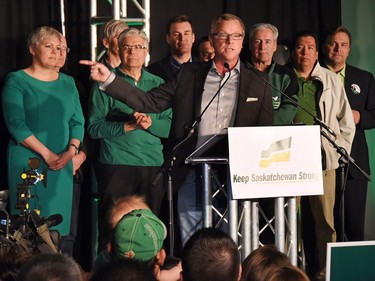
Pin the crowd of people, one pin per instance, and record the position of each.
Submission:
(148, 119)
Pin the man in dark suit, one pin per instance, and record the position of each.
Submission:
(360, 90)
(244, 99)
(180, 38)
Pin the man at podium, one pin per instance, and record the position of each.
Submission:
(205, 98)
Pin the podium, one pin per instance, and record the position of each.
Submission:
(242, 206)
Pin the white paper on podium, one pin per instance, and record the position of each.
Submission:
(275, 161)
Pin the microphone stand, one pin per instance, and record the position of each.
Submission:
(169, 162)
(345, 157)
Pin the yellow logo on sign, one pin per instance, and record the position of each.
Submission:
(278, 151)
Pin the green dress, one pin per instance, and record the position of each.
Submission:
(52, 112)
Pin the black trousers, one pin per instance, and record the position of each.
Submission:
(354, 207)
(67, 242)
(117, 181)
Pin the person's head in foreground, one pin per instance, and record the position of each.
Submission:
(287, 273)
(261, 261)
(50, 267)
(124, 270)
(210, 254)
(139, 235)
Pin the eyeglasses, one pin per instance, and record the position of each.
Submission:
(225, 36)
(58, 48)
(207, 54)
(135, 47)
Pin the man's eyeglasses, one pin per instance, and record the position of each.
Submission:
(58, 48)
(207, 54)
(225, 36)
(135, 47)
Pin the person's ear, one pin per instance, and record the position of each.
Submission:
(239, 273)
(161, 256)
(106, 43)
(31, 50)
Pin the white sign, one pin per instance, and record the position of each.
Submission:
(277, 161)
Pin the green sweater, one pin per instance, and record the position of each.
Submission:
(106, 123)
(283, 78)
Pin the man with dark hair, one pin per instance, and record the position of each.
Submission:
(360, 90)
(261, 261)
(323, 95)
(124, 270)
(210, 254)
(205, 50)
(180, 38)
(50, 267)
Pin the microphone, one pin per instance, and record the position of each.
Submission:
(191, 130)
(53, 220)
(316, 119)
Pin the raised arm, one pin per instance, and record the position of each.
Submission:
(156, 100)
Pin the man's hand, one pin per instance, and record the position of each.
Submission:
(78, 161)
(99, 72)
(143, 121)
(356, 116)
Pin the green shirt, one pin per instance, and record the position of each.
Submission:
(106, 123)
(306, 99)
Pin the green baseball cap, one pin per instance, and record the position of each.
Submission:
(138, 235)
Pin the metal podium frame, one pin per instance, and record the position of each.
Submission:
(243, 220)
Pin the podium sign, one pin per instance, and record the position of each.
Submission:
(275, 161)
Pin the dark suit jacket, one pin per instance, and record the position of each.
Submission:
(184, 94)
(163, 68)
(364, 102)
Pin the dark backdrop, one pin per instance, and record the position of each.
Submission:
(19, 17)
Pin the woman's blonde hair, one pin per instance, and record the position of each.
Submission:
(41, 34)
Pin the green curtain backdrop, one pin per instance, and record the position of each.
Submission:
(359, 17)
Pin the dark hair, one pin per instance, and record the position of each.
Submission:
(124, 270)
(179, 19)
(226, 17)
(12, 258)
(204, 38)
(335, 30)
(45, 267)
(210, 254)
(304, 33)
(261, 261)
(287, 273)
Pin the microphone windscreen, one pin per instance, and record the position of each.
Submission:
(53, 220)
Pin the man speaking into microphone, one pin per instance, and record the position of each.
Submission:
(244, 100)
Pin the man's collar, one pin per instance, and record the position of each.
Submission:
(340, 72)
(237, 66)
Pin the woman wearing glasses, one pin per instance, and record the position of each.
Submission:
(43, 114)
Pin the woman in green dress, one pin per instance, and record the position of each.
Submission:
(43, 114)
